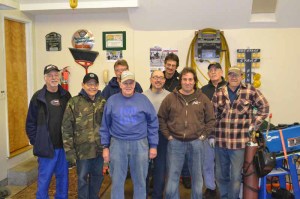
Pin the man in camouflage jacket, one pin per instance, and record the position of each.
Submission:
(81, 139)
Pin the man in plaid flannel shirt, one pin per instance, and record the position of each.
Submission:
(234, 104)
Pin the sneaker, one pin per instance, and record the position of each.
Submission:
(210, 194)
(186, 181)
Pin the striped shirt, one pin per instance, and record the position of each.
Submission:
(234, 119)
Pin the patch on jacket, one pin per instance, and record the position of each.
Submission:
(196, 102)
(55, 102)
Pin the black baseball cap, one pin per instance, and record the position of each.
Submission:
(216, 64)
(90, 76)
(50, 68)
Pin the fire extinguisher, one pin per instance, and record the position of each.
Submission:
(64, 81)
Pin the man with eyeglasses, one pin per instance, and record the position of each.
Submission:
(156, 93)
(113, 85)
(216, 81)
(234, 104)
(129, 134)
(43, 128)
(80, 131)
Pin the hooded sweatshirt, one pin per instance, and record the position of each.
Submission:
(186, 120)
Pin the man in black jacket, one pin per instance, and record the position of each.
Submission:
(216, 81)
(43, 128)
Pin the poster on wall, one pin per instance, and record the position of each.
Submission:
(53, 41)
(113, 55)
(114, 40)
(157, 57)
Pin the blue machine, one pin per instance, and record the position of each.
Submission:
(291, 137)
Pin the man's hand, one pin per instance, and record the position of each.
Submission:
(202, 137)
(170, 137)
(212, 142)
(105, 154)
(152, 153)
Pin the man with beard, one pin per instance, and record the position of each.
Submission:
(43, 128)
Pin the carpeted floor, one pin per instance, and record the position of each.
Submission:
(29, 191)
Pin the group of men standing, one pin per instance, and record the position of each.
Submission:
(172, 122)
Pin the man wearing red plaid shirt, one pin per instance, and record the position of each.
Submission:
(234, 104)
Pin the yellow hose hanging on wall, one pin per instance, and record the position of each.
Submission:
(224, 51)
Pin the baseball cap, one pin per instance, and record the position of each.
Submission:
(50, 68)
(90, 76)
(235, 70)
(216, 64)
(126, 75)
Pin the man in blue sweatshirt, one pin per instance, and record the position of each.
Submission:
(129, 128)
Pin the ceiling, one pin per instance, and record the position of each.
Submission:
(178, 15)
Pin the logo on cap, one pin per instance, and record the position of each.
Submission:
(126, 75)
(50, 68)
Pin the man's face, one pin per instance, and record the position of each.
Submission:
(170, 67)
(234, 79)
(215, 74)
(127, 87)
(91, 88)
(51, 79)
(188, 82)
(119, 69)
(157, 80)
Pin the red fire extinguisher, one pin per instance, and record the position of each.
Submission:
(64, 81)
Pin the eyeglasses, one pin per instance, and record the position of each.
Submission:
(171, 65)
(121, 69)
(234, 75)
(158, 78)
(131, 83)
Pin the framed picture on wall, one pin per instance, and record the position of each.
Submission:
(114, 40)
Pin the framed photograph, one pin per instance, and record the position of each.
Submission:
(114, 40)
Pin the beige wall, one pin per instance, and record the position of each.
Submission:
(67, 25)
(279, 56)
(279, 53)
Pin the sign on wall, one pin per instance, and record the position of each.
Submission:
(53, 41)
(248, 59)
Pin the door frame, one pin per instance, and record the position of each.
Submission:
(19, 17)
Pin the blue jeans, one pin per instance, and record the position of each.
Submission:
(209, 166)
(229, 164)
(160, 168)
(90, 177)
(185, 169)
(47, 167)
(177, 150)
(135, 153)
